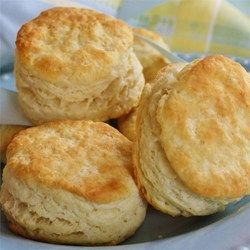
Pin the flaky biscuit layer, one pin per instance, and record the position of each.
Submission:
(76, 64)
(71, 182)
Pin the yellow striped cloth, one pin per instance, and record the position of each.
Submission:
(210, 26)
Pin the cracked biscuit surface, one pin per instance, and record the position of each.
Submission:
(76, 64)
(71, 182)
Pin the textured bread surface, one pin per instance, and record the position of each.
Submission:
(205, 128)
(126, 124)
(155, 177)
(152, 61)
(7, 132)
(76, 63)
(71, 182)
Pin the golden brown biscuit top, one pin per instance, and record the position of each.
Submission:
(80, 43)
(205, 123)
(89, 159)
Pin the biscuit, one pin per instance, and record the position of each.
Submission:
(152, 61)
(210, 144)
(7, 132)
(150, 58)
(184, 164)
(126, 124)
(71, 182)
(77, 64)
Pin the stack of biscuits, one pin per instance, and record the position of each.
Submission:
(183, 145)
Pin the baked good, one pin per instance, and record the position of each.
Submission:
(126, 124)
(78, 64)
(192, 146)
(152, 61)
(7, 132)
(71, 182)
(150, 58)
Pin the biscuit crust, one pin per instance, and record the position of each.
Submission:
(71, 182)
(126, 125)
(76, 64)
(205, 128)
(98, 156)
(155, 177)
(7, 132)
(69, 41)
